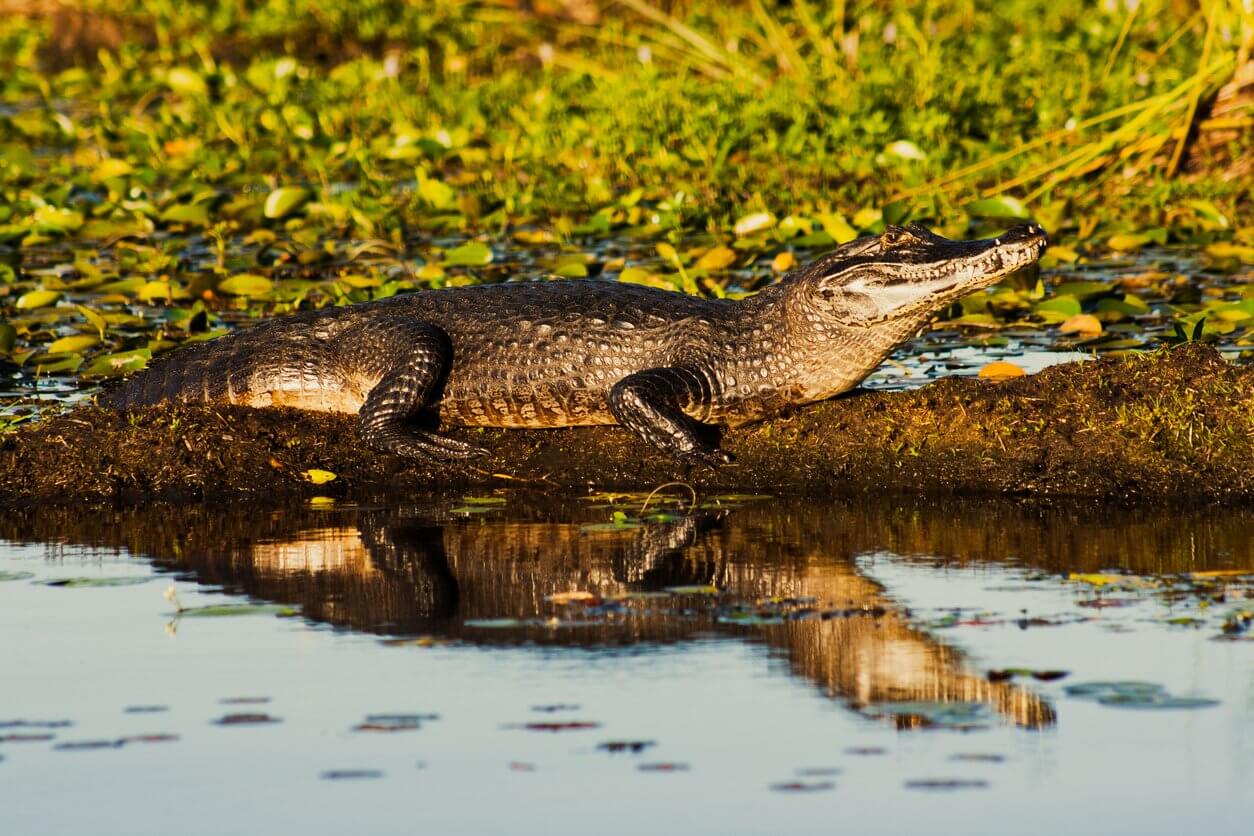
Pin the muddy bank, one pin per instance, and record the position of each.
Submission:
(1171, 425)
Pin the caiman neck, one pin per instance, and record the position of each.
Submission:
(823, 352)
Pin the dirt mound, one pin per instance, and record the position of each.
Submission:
(1169, 425)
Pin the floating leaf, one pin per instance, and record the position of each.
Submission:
(473, 254)
(1084, 290)
(82, 583)
(37, 299)
(1136, 240)
(350, 774)
(246, 284)
(756, 222)
(246, 719)
(803, 786)
(717, 258)
(66, 363)
(1133, 694)
(77, 342)
(947, 784)
(166, 291)
(1097, 578)
(436, 194)
(232, 610)
(123, 362)
(87, 745)
(1085, 325)
(53, 219)
(284, 201)
(571, 270)
(635, 747)
(196, 214)
(110, 168)
(999, 207)
(784, 262)
(557, 726)
(1001, 370)
(318, 477)
(1058, 309)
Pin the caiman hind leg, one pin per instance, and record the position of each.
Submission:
(655, 404)
(412, 360)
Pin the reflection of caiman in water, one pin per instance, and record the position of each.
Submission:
(421, 570)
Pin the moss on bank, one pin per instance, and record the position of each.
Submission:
(1173, 424)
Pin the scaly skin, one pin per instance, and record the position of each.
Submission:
(567, 353)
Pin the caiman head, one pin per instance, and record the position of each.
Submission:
(897, 280)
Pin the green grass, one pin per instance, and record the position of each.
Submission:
(721, 108)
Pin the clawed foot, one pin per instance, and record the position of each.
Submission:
(425, 446)
(710, 457)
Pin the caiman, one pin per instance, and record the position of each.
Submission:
(666, 365)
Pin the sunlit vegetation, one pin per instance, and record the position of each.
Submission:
(169, 169)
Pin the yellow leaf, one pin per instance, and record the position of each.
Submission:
(1001, 370)
(37, 299)
(318, 477)
(1221, 573)
(110, 168)
(784, 262)
(1086, 325)
(1094, 579)
(756, 222)
(246, 284)
(717, 258)
(76, 342)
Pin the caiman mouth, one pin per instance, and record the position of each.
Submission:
(911, 271)
(915, 255)
(1018, 248)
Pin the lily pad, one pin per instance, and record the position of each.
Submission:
(284, 201)
(1135, 694)
(473, 254)
(231, 610)
(91, 583)
(246, 284)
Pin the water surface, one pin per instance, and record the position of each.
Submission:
(754, 666)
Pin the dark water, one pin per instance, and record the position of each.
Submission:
(755, 666)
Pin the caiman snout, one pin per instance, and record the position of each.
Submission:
(1024, 233)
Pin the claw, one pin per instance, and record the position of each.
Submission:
(712, 457)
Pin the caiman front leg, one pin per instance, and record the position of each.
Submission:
(414, 358)
(655, 405)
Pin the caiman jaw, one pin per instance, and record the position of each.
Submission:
(987, 264)
(912, 272)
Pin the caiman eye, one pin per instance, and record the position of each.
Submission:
(894, 235)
